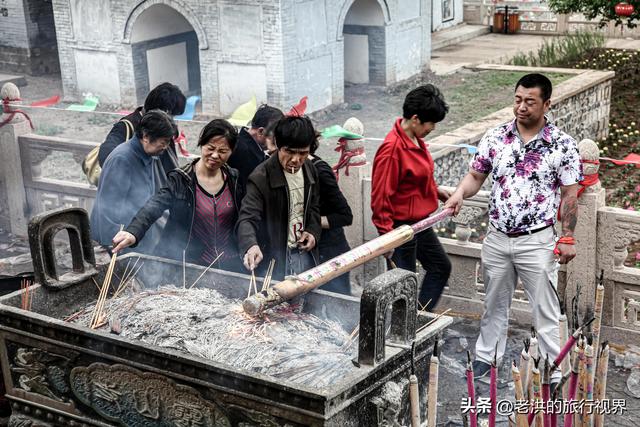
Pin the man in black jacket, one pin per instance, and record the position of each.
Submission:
(166, 97)
(250, 150)
(280, 214)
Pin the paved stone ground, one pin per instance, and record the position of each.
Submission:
(452, 384)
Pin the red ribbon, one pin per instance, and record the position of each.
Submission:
(590, 179)
(12, 113)
(345, 157)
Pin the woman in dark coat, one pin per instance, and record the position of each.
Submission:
(203, 199)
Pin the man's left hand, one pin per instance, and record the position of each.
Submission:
(306, 242)
(443, 195)
(567, 253)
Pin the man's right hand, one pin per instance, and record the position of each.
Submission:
(252, 258)
(454, 202)
(122, 240)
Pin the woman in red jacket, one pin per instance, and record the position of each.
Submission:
(403, 189)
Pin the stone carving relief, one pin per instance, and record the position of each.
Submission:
(142, 399)
(630, 314)
(388, 403)
(41, 372)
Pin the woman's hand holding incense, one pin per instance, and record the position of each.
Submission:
(123, 240)
(252, 258)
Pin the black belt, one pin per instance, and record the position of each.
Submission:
(525, 233)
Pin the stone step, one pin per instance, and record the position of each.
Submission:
(457, 34)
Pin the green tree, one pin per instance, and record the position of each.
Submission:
(593, 9)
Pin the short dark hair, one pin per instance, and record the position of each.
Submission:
(218, 128)
(166, 97)
(536, 80)
(157, 124)
(295, 132)
(265, 115)
(426, 102)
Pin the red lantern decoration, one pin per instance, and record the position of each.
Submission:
(624, 9)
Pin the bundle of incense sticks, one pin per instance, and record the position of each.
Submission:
(25, 286)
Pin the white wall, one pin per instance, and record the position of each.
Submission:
(163, 70)
(157, 21)
(438, 24)
(365, 12)
(238, 83)
(97, 73)
(91, 20)
(356, 58)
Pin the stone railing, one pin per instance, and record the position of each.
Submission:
(536, 18)
(26, 189)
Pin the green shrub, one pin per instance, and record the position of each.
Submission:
(560, 50)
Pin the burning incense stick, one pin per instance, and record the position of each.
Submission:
(601, 383)
(521, 419)
(413, 390)
(317, 276)
(206, 269)
(471, 390)
(493, 388)
(434, 364)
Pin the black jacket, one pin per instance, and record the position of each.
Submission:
(246, 156)
(118, 135)
(264, 215)
(179, 197)
(335, 207)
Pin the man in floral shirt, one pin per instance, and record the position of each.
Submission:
(535, 168)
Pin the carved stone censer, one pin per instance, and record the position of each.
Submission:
(58, 373)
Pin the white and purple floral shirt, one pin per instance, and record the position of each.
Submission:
(526, 177)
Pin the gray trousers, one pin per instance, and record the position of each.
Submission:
(530, 258)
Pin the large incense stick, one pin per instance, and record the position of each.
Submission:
(316, 277)
(521, 419)
(524, 365)
(493, 388)
(533, 355)
(473, 415)
(434, 364)
(601, 383)
(580, 393)
(414, 396)
(565, 364)
(597, 311)
(546, 395)
(588, 383)
(573, 385)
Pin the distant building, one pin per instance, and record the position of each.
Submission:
(27, 37)
(226, 51)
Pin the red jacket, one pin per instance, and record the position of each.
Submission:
(402, 183)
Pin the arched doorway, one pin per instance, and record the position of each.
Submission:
(364, 44)
(164, 46)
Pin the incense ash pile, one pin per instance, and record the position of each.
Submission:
(283, 343)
